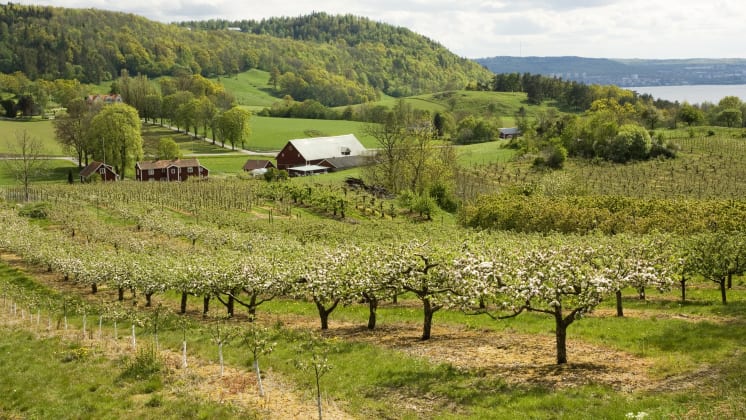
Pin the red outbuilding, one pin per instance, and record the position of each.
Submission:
(170, 170)
(101, 170)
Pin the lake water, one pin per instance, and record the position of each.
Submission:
(694, 94)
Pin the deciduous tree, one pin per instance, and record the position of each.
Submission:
(115, 136)
(27, 159)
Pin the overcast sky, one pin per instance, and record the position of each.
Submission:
(486, 28)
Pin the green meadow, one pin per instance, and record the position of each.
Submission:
(37, 128)
(251, 89)
(54, 171)
(272, 133)
(485, 153)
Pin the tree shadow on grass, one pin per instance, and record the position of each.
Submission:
(443, 388)
(734, 309)
(697, 337)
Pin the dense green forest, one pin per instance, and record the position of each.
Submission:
(353, 63)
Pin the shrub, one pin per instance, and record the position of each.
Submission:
(425, 205)
(539, 162)
(145, 364)
(34, 210)
(632, 142)
(443, 198)
(557, 157)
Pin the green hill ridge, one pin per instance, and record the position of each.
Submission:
(336, 60)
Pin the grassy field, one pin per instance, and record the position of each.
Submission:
(55, 171)
(37, 128)
(272, 133)
(484, 153)
(502, 105)
(222, 166)
(690, 354)
(48, 376)
(188, 144)
(251, 89)
(267, 134)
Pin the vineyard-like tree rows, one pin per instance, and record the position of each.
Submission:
(146, 248)
(705, 168)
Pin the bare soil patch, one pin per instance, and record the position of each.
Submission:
(519, 359)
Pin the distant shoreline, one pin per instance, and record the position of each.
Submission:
(694, 94)
(626, 73)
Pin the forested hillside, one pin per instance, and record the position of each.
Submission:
(335, 60)
(409, 63)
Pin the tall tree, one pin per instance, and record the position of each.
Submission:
(115, 136)
(168, 149)
(70, 127)
(408, 158)
(690, 115)
(27, 159)
(388, 160)
(171, 105)
(717, 257)
(235, 126)
(206, 113)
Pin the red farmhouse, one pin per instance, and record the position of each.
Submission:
(104, 171)
(170, 170)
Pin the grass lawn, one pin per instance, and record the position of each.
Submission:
(47, 377)
(251, 89)
(484, 153)
(273, 133)
(267, 134)
(56, 171)
(37, 128)
(187, 144)
(232, 164)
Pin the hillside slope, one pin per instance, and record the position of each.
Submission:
(350, 63)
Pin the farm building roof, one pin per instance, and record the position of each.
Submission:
(329, 147)
(345, 162)
(510, 131)
(252, 164)
(308, 169)
(160, 164)
(93, 167)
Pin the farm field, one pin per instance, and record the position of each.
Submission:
(663, 359)
(503, 105)
(188, 144)
(251, 89)
(484, 153)
(272, 133)
(227, 165)
(56, 171)
(706, 167)
(37, 128)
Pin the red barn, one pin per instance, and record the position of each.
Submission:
(104, 171)
(313, 151)
(170, 170)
